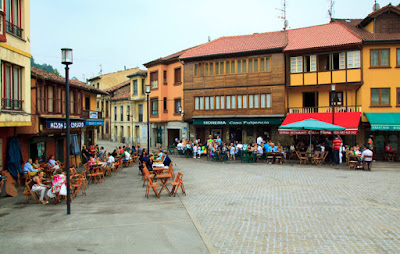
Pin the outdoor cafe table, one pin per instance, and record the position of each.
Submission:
(158, 168)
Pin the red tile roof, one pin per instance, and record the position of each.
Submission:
(39, 73)
(168, 59)
(238, 44)
(328, 35)
(121, 96)
(127, 82)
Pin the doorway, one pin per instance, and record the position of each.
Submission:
(172, 134)
(201, 134)
(60, 150)
(310, 100)
(237, 132)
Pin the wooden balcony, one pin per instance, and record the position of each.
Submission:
(338, 109)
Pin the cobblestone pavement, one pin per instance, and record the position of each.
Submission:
(261, 208)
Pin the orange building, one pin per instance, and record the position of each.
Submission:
(165, 76)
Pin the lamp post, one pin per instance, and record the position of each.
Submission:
(333, 103)
(148, 118)
(66, 59)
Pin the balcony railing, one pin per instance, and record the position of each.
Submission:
(11, 104)
(338, 109)
(86, 114)
(15, 30)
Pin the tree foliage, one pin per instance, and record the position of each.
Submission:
(45, 67)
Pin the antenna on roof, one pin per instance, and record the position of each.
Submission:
(283, 10)
(376, 6)
(330, 11)
(101, 69)
(209, 38)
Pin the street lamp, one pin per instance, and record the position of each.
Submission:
(148, 116)
(66, 59)
(333, 102)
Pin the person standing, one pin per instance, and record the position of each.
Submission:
(336, 149)
(259, 140)
(232, 139)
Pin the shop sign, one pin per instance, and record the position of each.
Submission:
(239, 121)
(63, 124)
(93, 115)
(309, 132)
(94, 122)
(385, 127)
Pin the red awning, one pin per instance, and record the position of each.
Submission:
(348, 120)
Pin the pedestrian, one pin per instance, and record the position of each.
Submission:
(336, 149)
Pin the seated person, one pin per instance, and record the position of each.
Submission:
(126, 156)
(53, 164)
(39, 186)
(28, 169)
(148, 162)
(166, 160)
(272, 148)
(366, 157)
(36, 164)
(160, 153)
(101, 152)
(91, 162)
(85, 154)
(110, 161)
(114, 153)
(58, 185)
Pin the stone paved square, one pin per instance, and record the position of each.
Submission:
(291, 208)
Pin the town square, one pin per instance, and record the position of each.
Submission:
(275, 132)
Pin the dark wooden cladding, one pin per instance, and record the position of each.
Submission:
(387, 23)
(268, 82)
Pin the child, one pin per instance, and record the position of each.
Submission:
(232, 151)
(195, 147)
(198, 150)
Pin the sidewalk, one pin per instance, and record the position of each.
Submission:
(114, 217)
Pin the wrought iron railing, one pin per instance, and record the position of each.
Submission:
(15, 30)
(338, 109)
(11, 104)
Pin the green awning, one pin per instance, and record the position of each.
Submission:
(238, 121)
(384, 121)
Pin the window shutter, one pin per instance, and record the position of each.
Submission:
(342, 61)
(2, 27)
(313, 63)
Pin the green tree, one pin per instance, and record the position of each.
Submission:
(45, 67)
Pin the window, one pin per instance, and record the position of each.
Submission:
(72, 100)
(338, 100)
(221, 68)
(87, 103)
(379, 57)
(342, 60)
(239, 66)
(222, 102)
(217, 102)
(398, 57)
(256, 100)
(59, 100)
(310, 63)
(206, 69)
(353, 59)
(154, 106)
(239, 103)
(50, 99)
(13, 17)
(165, 77)
(212, 102)
(154, 80)
(140, 112)
(228, 102)
(398, 96)
(165, 104)
(197, 70)
(2, 24)
(201, 103)
(380, 96)
(128, 113)
(216, 68)
(135, 92)
(115, 113)
(228, 67)
(122, 113)
(232, 66)
(256, 65)
(251, 65)
(324, 62)
(296, 64)
(265, 64)
(244, 66)
(196, 103)
(106, 108)
(207, 103)
(178, 76)
(11, 80)
(143, 86)
(178, 106)
(251, 101)
(265, 100)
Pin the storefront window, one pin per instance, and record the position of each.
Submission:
(38, 151)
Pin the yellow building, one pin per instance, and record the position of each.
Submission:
(104, 82)
(379, 95)
(15, 86)
(323, 76)
(129, 110)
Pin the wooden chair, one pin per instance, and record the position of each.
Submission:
(77, 185)
(29, 193)
(278, 158)
(302, 159)
(178, 183)
(367, 165)
(152, 185)
(316, 158)
(135, 156)
(146, 173)
(270, 157)
(353, 162)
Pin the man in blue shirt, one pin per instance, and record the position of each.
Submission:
(272, 148)
(28, 167)
(266, 147)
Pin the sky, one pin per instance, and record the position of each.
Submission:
(108, 36)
